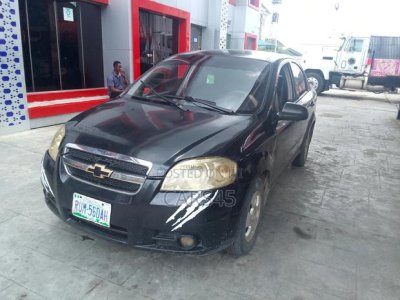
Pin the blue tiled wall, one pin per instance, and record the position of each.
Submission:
(13, 103)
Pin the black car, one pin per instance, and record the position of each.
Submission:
(184, 159)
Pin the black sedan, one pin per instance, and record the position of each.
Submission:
(184, 159)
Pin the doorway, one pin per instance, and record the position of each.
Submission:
(158, 31)
(158, 39)
(195, 37)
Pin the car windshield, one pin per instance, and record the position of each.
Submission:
(232, 83)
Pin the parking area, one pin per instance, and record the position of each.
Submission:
(330, 230)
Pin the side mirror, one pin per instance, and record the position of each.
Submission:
(293, 111)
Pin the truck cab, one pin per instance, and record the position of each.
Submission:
(366, 63)
(352, 56)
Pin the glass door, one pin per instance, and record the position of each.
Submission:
(195, 37)
(158, 39)
(39, 41)
(69, 40)
(62, 44)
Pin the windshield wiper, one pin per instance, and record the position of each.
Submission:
(158, 95)
(139, 97)
(207, 103)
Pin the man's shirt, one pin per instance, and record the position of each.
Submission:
(116, 81)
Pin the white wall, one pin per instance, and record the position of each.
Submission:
(202, 13)
(238, 27)
(198, 9)
(211, 32)
(252, 24)
(117, 36)
(244, 20)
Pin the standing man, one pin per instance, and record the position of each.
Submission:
(117, 80)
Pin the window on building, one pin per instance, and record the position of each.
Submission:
(275, 17)
(254, 3)
(228, 41)
(62, 45)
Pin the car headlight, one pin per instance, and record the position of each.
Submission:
(200, 174)
(55, 143)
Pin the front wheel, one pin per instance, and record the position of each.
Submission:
(316, 81)
(249, 219)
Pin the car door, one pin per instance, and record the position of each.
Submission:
(305, 97)
(285, 131)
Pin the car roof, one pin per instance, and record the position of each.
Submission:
(250, 54)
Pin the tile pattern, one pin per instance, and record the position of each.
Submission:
(223, 24)
(13, 104)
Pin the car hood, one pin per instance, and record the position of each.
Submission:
(159, 133)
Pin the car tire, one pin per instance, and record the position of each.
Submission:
(249, 219)
(301, 158)
(317, 81)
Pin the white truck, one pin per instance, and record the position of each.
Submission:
(366, 63)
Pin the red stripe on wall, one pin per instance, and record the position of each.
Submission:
(58, 95)
(61, 109)
(105, 2)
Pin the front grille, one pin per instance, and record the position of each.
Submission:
(114, 164)
(125, 174)
(106, 182)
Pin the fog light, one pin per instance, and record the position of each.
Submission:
(187, 241)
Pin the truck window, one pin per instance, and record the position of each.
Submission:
(354, 45)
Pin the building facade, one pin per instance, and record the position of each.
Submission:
(56, 55)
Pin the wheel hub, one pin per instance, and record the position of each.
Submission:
(253, 216)
(314, 82)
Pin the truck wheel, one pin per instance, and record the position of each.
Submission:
(317, 82)
(249, 219)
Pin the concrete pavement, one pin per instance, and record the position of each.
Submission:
(331, 230)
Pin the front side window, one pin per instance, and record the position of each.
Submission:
(300, 82)
(233, 83)
(284, 91)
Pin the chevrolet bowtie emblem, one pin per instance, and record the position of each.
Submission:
(99, 171)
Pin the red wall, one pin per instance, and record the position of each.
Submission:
(253, 45)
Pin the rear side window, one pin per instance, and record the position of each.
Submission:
(300, 81)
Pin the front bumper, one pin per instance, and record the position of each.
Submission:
(150, 218)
